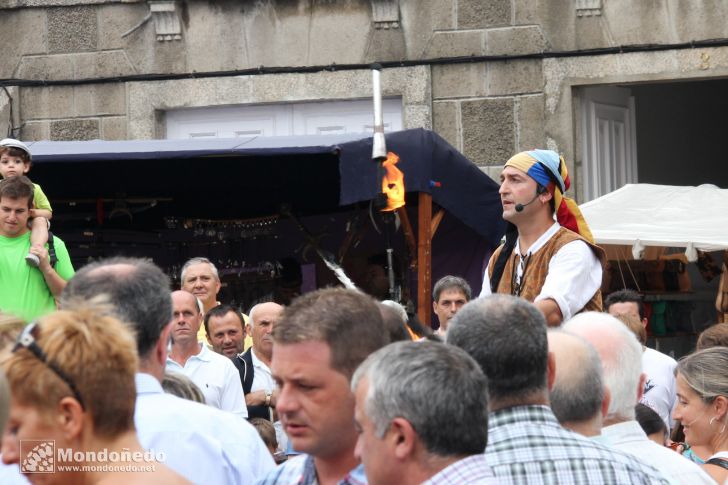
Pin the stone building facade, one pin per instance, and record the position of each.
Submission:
(491, 76)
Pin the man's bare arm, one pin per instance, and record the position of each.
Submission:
(551, 311)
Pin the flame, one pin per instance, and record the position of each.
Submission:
(393, 183)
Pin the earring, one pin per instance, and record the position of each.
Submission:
(711, 420)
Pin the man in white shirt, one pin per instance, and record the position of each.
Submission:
(203, 444)
(552, 263)
(621, 356)
(660, 391)
(259, 386)
(213, 373)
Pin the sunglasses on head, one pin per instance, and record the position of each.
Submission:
(27, 340)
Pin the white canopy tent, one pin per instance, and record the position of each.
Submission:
(641, 215)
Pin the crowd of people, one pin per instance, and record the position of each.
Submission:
(537, 381)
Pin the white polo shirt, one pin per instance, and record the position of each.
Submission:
(217, 378)
(262, 376)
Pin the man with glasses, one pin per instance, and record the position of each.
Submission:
(27, 291)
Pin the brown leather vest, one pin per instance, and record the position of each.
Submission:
(537, 268)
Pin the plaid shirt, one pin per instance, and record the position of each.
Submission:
(472, 470)
(300, 470)
(526, 445)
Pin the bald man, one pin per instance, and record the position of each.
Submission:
(213, 373)
(621, 355)
(254, 364)
(579, 399)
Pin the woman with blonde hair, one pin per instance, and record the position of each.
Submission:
(71, 377)
(702, 408)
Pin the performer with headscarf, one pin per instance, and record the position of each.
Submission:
(549, 256)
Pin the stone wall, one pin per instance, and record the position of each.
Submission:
(488, 109)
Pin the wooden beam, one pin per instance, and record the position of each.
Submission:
(436, 222)
(424, 258)
(409, 236)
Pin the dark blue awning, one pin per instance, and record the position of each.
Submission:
(429, 163)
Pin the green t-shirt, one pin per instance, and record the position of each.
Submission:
(23, 291)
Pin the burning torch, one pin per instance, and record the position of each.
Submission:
(391, 196)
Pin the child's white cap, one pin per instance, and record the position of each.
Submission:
(12, 142)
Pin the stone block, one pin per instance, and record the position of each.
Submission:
(514, 77)
(50, 102)
(455, 44)
(35, 131)
(146, 54)
(57, 3)
(589, 34)
(479, 14)
(335, 34)
(99, 99)
(417, 116)
(224, 31)
(75, 129)
(557, 19)
(101, 64)
(386, 45)
(413, 83)
(45, 67)
(488, 130)
(709, 17)
(6, 109)
(625, 21)
(316, 33)
(16, 42)
(421, 18)
(530, 124)
(459, 80)
(72, 29)
(492, 171)
(446, 121)
(115, 20)
(514, 41)
(113, 128)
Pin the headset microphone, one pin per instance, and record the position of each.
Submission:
(519, 207)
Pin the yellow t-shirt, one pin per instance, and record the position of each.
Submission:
(40, 201)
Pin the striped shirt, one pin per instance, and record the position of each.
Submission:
(472, 470)
(527, 445)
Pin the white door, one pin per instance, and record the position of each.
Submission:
(321, 118)
(609, 140)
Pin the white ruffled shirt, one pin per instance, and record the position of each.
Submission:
(575, 274)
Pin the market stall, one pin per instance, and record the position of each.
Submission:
(249, 202)
(667, 242)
